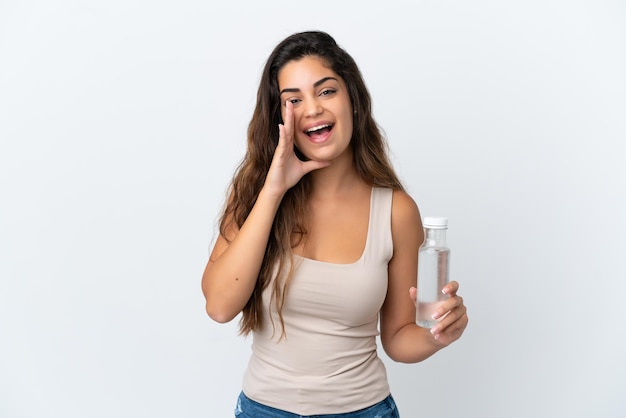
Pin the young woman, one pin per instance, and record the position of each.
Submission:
(318, 242)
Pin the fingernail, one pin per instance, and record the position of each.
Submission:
(444, 290)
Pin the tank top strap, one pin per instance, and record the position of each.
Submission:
(379, 239)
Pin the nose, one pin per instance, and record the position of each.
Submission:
(312, 108)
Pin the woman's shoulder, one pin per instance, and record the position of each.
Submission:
(403, 203)
(404, 211)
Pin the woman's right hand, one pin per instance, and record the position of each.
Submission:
(287, 169)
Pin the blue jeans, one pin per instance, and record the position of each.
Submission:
(247, 408)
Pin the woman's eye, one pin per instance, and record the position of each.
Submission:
(327, 92)
(294, 101)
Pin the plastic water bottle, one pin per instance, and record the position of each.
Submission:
(432, 270)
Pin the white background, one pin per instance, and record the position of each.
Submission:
(121, 123)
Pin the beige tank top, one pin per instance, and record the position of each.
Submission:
(327, 363)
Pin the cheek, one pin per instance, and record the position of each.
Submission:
(348, 128)
(299, 142)
(300, 148)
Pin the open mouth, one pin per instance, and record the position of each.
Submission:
(319, 131)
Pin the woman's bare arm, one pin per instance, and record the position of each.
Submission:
(232, 270)
(402, 339)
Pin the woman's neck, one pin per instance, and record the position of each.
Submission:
(338, 178)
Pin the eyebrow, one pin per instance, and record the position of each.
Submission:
(317, 83)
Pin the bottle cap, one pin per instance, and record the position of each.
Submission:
(435, 222)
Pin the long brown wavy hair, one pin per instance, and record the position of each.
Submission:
(288, 229)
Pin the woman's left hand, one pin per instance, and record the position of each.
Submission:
(452, 315)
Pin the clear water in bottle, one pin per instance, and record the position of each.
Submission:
(432, 276)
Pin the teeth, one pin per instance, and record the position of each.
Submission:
(317, 128)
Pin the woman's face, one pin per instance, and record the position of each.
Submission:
(322, 123)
